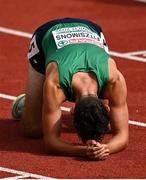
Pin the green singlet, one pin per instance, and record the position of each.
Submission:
(76, 47)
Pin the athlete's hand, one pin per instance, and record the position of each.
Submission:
(97, 151)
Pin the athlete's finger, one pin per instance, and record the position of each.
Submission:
(102, 154)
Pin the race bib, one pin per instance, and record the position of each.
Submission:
(76, 35)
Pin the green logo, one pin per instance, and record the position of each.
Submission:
(62, 43)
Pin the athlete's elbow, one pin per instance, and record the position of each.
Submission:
(125, 143)
(118, 143)
(50, 146)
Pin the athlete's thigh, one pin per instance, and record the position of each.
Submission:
(32, 115)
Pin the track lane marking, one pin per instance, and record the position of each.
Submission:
(136, 53)
(136, 123)
(66, 109)
(129, 56)
(22, 174)
(9, 97)
(15, 32)
(143, 1)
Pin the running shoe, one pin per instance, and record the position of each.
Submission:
(17, 106)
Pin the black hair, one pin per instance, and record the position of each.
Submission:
(90, 118)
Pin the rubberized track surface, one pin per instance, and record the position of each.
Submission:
(124, 26)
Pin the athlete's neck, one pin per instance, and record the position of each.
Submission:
(84, 84)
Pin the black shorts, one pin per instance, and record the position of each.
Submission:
(36, 55)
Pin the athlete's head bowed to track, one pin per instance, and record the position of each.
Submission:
(69, 60)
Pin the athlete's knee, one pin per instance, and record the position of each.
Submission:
(32, 131)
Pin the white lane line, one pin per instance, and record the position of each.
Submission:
(23, 174)
(66, 109)
(18, 177)
(136, 53)
(136, 123)
(9, 97)
(15, 32)
(29, 35)
(144, 1)
(128, 56)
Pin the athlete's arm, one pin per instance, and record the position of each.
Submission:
(53, 98)
(117, 94)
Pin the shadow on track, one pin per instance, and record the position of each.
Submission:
(13, 139)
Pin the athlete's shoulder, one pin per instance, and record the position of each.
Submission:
(52, 72)
(114, 73)
(52, 83)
